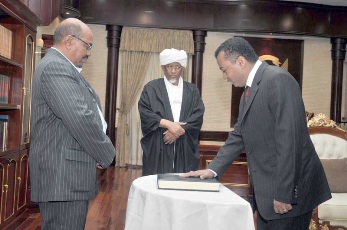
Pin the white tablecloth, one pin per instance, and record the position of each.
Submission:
(150, 208)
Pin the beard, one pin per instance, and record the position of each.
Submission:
(172, 81)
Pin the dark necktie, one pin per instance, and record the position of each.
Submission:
(246, 92)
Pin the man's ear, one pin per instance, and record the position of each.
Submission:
(67, 41)
(241, 61)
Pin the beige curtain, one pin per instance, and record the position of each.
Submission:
(135, 64)
(139, 63)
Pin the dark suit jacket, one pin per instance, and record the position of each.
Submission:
(67, 139)
(282, 161)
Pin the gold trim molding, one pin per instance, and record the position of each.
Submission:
(321, 119)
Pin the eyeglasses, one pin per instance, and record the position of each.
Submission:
(89, 45)
(175, 67)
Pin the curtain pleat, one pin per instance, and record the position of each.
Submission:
(134, 65)
(156, 40)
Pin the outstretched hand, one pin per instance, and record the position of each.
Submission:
(203, 174)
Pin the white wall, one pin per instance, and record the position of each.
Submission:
(316, 85)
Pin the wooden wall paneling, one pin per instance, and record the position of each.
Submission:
(13, 138)
(213, 136)
(22, 180)
(18, 11)
(272, 17)
(2, 183)
(10, 163)
(241, 16)
(23, 22)
(56, 9)
(35, 6)
(44, 10)
(14, 178)
(339, 21)
(147, 13)
(47, 12)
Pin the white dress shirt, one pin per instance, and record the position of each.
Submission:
(175, 96)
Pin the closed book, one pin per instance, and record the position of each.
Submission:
(175, 182)
(2, 135)
(4, 130)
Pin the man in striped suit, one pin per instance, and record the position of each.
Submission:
(68, 131)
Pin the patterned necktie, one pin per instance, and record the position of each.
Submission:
(246, 92)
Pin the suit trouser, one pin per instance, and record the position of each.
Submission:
(63, 215)
(291, 223)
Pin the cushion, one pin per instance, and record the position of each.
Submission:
(334, 210)
(336, 173)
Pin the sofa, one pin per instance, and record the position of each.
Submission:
(331, 145)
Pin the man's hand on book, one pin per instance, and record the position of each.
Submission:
(203, 174)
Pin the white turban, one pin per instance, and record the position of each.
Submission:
(168, 56)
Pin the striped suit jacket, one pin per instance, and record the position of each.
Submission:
(67, 140)
(282, 161)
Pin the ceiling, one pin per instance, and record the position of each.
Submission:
(322, 2)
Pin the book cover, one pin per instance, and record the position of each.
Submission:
(175, 182)
(4, 130)
(4, 88)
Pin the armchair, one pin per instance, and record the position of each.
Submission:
(331, 145)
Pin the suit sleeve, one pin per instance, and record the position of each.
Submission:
(73, 104)
(287, 107)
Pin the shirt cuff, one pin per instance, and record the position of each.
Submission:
(215, 174)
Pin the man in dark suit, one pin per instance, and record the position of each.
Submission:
(287, 175)
(68, 131)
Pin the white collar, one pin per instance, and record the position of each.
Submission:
(252, 73)
(77, 68)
